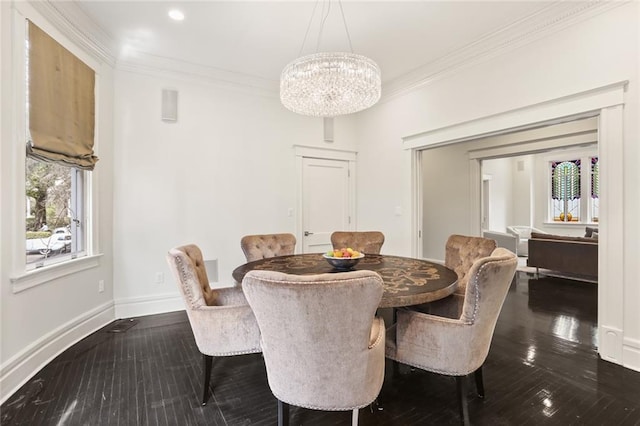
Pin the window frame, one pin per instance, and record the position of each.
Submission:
(22, 277)
(78, 207)
(584, 155)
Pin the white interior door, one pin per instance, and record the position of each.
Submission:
(326, 192)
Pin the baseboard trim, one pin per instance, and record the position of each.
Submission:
(631, 353)
(16, 371)
(610, 347)
(148, 305)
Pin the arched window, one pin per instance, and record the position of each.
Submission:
(565, 190)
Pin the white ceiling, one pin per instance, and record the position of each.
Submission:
(257, 39)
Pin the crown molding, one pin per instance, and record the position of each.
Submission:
(555, 17)
(71, 21)
(159, 66)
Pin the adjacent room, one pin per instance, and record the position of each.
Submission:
(319, 212)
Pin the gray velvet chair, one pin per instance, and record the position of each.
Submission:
(321, 342)
(365, 241)
(256, 247)
(454, 339)
(221, 320)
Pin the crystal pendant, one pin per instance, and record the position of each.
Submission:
(330, 84)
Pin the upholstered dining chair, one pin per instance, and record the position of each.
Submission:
(461, 251)
(256, 247)
(454, 339)
(364, 241)
(321, 342)
(221, 320)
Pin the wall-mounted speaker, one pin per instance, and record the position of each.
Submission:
(169, 105)
(328, 129)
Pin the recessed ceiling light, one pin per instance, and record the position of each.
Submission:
(176, 15)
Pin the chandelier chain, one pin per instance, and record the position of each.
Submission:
(346, 29)
(308, 27)
(322, 22)
(324, 19)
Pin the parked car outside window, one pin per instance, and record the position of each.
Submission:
(58, 242)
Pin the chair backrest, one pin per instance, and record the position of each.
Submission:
(364, 241)
(489, 282)
(187, 264)
(256, 247)
(462, 251)
(222, 322)
(316, 332)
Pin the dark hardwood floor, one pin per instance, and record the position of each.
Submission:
(543, 368)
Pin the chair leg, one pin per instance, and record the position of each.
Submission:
(479, 382)
(354, 417)
(283, 413)
(208, 360)
(461, 385)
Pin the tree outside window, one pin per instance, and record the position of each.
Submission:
(54, 205)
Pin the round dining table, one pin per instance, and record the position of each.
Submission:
(407, 281)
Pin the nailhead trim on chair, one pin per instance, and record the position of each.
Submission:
(187, 290)
(381, 333)
(314, 407)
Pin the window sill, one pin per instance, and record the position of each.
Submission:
(576, 224)
(42, 275)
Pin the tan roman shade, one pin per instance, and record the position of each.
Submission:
(61, 104)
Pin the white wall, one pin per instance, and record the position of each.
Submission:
(41, 321)
(590, 54)
(224, 170)
(522, 190)
(502, 193)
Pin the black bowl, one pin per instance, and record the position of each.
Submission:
(343, 263)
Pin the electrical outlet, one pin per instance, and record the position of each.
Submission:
(100, 286)
(159, 277)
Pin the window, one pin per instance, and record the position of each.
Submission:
(569, 202)
(60, 124)
(595, 188)
(54, 222)
(565, 190)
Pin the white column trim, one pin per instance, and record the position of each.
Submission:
(611, 234)
(417, 200)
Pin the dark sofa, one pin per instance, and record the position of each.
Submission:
(575, 255)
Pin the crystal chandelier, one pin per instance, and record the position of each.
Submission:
(328, 84)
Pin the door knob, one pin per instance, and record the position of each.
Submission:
(307, 233)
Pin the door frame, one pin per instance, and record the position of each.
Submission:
(607, 102)
(302, 152)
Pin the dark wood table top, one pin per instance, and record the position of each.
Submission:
(406, 281)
